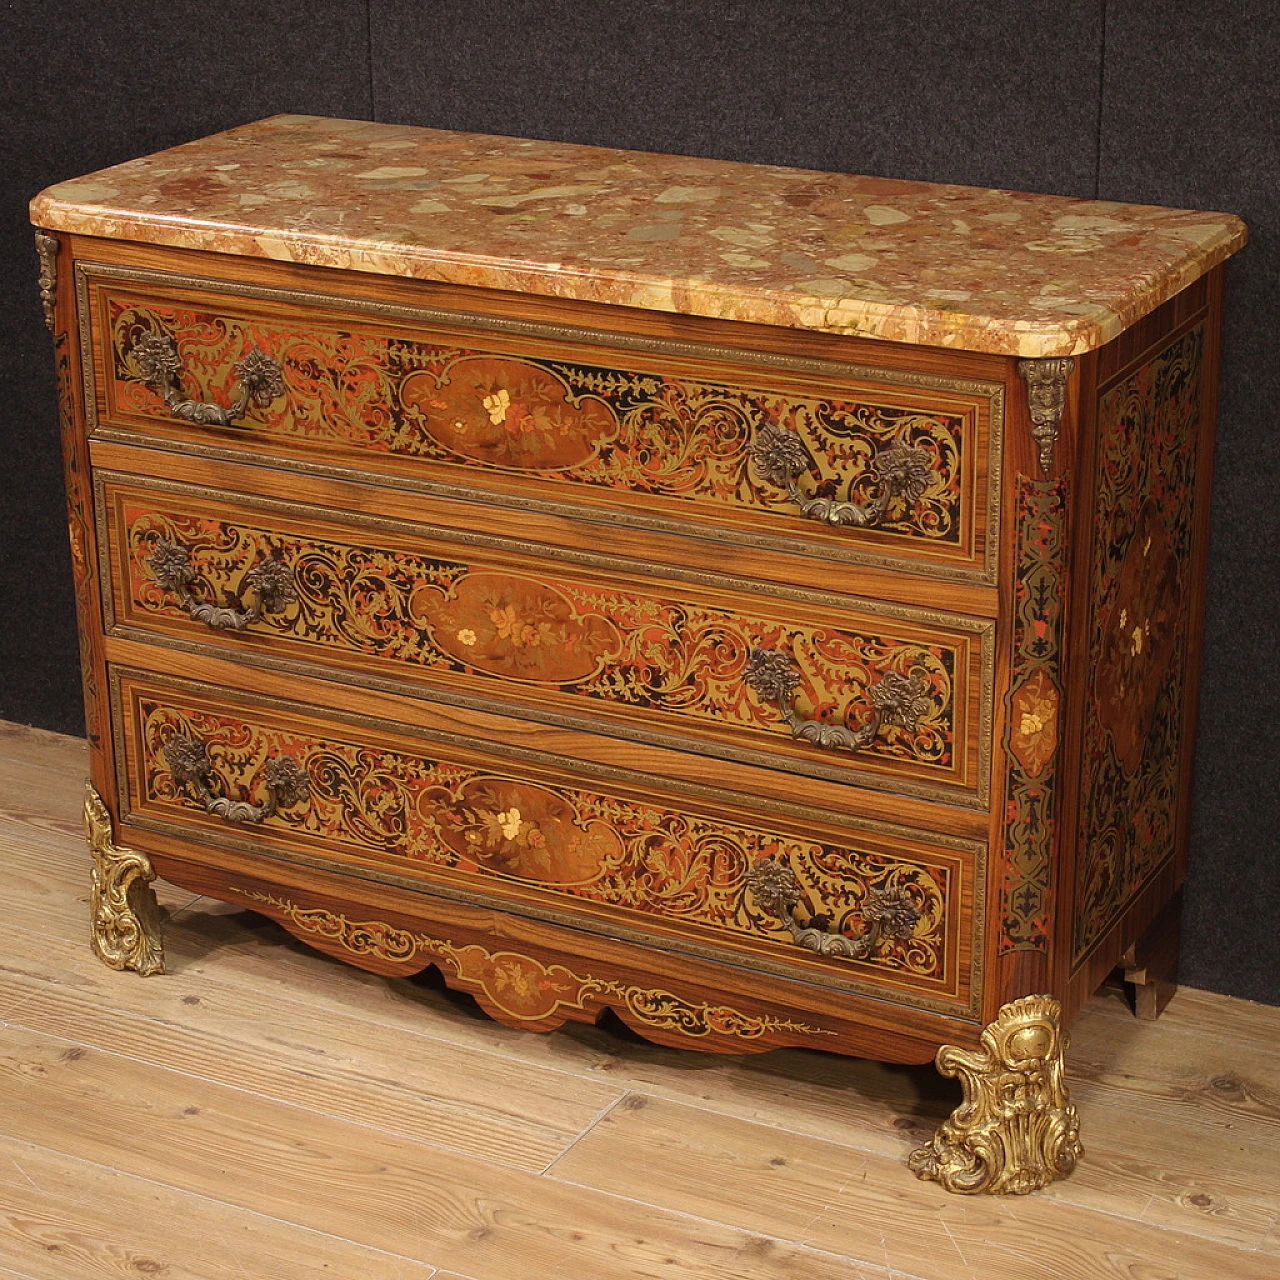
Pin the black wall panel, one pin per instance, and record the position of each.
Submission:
(83, 86)
(1170, 103)
(1191, 117)
(997, 94)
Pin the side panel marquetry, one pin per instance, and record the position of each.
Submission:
(1148, 457)
(458, 819)
(648, 656)
(660, 434)
(1033, 715)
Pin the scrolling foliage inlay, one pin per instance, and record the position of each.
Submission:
(1146, 482)
(522, 988)
(1032, 706)
(581, 424)
(473, 825)
(570, 637)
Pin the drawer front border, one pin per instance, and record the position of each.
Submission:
(994, 392)
(976, 796)
(884, 989)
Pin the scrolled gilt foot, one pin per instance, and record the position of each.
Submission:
(126, 916)
(1016, 1130)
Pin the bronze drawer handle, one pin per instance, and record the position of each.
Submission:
(886, 913)
(782, 458)
(271, 581)
(189, 763)
(895, 699)
(156, 358)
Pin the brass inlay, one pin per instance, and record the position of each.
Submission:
(1047, 397)
(523, 988)
(975, 795)
(990, 392)
(559, 766)
(124, 913)
(1016, 1130)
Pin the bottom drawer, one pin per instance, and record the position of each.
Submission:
(867, 908)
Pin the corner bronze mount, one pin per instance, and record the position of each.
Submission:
(1046, 397)
(125, 916)
(1016, 1130)
(47, 247)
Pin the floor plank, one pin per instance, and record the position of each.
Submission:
(66, 1219)
(375, 1189)
(840, 1198)
(456, 1098)
(264, 1083)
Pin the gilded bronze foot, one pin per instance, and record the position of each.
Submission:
(126, 916)
(1016, 1130)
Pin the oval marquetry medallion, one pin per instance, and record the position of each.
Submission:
(508, 625)
(509, 413)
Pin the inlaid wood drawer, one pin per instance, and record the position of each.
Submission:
(819, 684)
(868, 908)
(856, 464)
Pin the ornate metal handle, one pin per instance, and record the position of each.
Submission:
(886, 913)
(782, 458)
(189, 763)
(156, 358)
(895, 699)
(271, 581)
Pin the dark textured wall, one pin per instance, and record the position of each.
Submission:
(1169, 103)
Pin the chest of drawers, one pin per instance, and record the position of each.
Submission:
(761, 603)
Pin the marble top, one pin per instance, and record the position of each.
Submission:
(948, 266)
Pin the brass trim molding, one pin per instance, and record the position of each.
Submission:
(125, 915)
(560, 766)
(1016, 1130)
(992, 392)
(47, 247)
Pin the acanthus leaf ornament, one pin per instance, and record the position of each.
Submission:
(1016, 1130)
(47, 247)
(782, 458)
(1046, 381)
(125, 916)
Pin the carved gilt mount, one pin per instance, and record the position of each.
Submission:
(47, 247)
(1047, 397)
(125, 915)
(1016, 1130)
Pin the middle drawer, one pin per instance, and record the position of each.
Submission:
(814, 683)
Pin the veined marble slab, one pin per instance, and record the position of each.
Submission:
(946, 266)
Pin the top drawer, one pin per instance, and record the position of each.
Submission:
(848, 463)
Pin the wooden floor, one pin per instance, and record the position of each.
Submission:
(265, 1113)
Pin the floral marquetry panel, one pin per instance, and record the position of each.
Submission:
(1148, 455)
(667, 436)
(476, 826)
(468, 621)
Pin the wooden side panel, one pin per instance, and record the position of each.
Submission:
(1140, 565)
